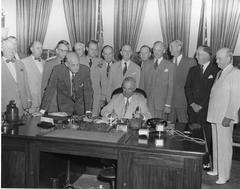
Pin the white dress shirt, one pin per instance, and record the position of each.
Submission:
(12, 68)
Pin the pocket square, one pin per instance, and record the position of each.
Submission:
(210, 77)
(166, 70)
(81, 85)
(134, 73)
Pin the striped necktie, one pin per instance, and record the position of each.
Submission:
(90, 62)
(156, 64)
(126, 106)
(73, 87)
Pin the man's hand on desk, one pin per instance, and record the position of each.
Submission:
(38, 114)
(112, 115)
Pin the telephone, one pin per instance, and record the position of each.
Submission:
(155, 121)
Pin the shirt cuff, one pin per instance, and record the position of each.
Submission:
(42, 111)
(167, 105)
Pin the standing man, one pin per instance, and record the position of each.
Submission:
(157, 82)
(92, 61)
(105, 68)
(223, 113)
(145, 54)
(14, 80)
(61, 51)
(182, 66)
(122, 69)
(34, 67)
(197, 89)
(73, 85)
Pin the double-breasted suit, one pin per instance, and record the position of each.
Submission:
(34, 81)
(18, 89)
(158, 85)
(224, 102)
(60, 81)
(116, 76)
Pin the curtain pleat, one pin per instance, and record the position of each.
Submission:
(128, 20)
(32, 21)
(225, 24)
(81, 19)
(175, 19)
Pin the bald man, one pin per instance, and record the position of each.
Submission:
(223, 109)
(14, 79)
(34, 67)
(122, 69)
(72, 82)
(157, 82)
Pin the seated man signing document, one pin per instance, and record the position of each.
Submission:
(128, 103)
(73, 85)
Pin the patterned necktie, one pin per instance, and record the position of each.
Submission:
(125, 68)
(219, 74)
(156, 64)
(108, 69)
(73, 87)
(126, 106)
(90, 62)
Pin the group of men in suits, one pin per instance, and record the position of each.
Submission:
(179, 90)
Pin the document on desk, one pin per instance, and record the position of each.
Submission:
(112, 137)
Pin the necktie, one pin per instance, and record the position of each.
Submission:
(62, 61)
(10, 60)
(108, 69)
(175, 61)
(73, 87)
(90, 62)
(125, 68)
(201, 71)
(219, 74)
(156, 64)
(38, 59)
(126, 106)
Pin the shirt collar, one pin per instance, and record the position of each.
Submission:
(158, 60)
(179, 58)
(205, 65)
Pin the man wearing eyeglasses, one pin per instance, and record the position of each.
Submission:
(61, 52)
(72, 82)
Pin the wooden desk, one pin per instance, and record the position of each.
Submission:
(177, 164)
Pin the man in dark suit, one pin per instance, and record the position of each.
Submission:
(157, 81)
(198, 86)
(61, 50)
(73, 85)
(182, 66)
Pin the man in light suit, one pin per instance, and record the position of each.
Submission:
(73, 85)
(92, 61)
(14, 80)
(198, 85)
(105, 67)
(127, 103)
(61, 50)
(157, 81)
(34, 67)
(223, 109)
(122, 69)
(182, 66)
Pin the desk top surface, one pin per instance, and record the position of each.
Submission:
(130, 140)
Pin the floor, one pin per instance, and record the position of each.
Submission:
(208, 182)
